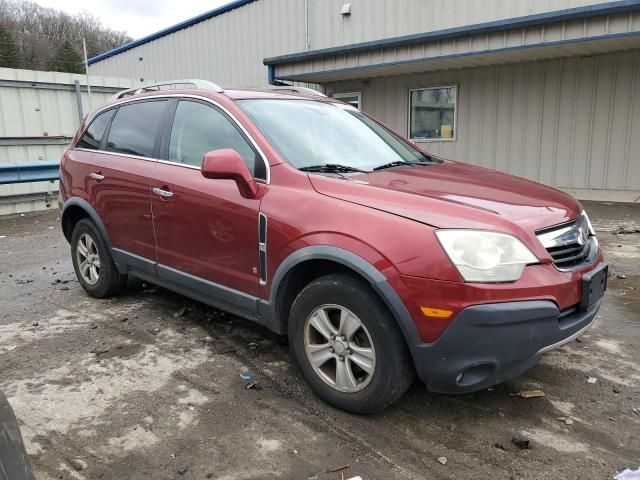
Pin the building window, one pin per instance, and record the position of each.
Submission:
(432, 113)
(352, 98)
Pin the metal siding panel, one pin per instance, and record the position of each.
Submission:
(632, 151)
(377, 19)
(587, 84)
(567, 119)
(473, 116)
(560, 122)
(491, 116)
(597, 26)
(532, 134)
(604, 90)
(519, 104)
(42, 112)
(503, 127)
(550, 122)
(619, 122)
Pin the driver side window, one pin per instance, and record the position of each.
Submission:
(199, 128)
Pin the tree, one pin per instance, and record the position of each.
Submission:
(66, 59)
(41, 32)
(9, 52)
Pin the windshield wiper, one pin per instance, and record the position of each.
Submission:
(400, 163)
(331, 168)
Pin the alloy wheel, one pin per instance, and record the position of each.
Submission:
(339, 348)
(88, 259)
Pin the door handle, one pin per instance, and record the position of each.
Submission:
(162, 193)
(96, 176)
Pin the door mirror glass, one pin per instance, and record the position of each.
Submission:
(227, 164)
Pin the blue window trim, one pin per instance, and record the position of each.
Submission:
(302, 76)
(608, 8)
(167, 31)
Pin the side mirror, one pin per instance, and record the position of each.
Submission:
(227, 164)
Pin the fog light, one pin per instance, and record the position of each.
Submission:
(459, 377)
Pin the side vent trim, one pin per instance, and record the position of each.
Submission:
(262, 247)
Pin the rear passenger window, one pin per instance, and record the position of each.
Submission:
(92, 137)
(199, 128)
(134, 128)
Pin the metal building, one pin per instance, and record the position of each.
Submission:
(545, 89)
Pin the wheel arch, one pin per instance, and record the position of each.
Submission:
(305, 265)
(74, 210)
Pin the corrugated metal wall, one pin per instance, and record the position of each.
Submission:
(227, 49)
(377, 19)
(572, 123)
(43, 118)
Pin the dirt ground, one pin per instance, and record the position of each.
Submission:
(147, 386)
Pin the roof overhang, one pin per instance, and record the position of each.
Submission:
(516, 54)
(597, 29)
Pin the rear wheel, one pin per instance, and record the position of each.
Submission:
(348, 346)
(93, 263)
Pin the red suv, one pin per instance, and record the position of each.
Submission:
(303, 214)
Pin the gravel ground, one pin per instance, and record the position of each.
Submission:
(147, 386)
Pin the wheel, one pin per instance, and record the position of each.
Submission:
(348, 346)
(93, 263)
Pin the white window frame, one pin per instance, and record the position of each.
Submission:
(341, 95)
(455, 115)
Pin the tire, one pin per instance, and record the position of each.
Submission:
(377, 345)
(103, 279)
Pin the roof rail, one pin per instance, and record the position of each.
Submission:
(289, 88)
(198, 84)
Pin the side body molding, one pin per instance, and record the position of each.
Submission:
(269, 309)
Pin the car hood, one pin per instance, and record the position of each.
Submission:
(455, 195)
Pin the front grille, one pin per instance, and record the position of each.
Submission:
(570, 256)
(571, 245)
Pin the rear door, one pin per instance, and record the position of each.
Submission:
(205, 228)
(76, 164)
(121, 175)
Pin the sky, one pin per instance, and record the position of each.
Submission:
(136, 17)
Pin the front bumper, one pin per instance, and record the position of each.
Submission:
(491, 343)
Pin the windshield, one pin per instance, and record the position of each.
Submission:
(308, 133)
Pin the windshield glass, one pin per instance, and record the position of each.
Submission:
(307, 133)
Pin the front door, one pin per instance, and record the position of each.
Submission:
(121, 176)
(207, 232)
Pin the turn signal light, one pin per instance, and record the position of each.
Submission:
(436, 312)
(434, 322)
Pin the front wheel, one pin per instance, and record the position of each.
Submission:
(349, 348)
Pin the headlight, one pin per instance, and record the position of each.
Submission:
(482, 256)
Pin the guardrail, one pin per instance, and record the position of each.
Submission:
(29, 172)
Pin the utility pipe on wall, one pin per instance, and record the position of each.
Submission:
(306, 25)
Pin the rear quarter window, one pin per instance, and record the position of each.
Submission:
(92, 137)
(135, 127)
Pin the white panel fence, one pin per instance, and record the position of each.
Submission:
(39, 114)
